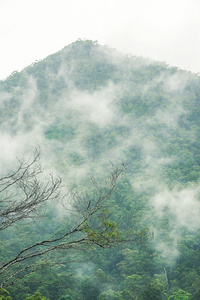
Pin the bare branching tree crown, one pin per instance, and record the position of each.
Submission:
(22, 193)
(90, 225)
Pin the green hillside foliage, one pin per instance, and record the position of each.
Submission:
(88, 105)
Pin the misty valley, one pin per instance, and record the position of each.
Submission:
(99, 183)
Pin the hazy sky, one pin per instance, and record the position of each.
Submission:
(165, 30)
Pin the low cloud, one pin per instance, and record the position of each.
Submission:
(183, 206)
(94, 107)
(178, 210)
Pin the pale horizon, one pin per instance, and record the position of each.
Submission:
(162, 31)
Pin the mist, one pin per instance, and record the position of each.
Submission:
(65, 123)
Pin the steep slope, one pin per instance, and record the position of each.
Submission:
(88, 104)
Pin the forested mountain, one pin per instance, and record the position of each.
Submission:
(88, 107)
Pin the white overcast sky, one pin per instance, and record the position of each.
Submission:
(165, 30)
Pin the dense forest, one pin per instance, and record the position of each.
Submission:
(92, 110)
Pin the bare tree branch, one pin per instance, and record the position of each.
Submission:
(88, 216)
(22, 193)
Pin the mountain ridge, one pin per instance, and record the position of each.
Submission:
(87, 105)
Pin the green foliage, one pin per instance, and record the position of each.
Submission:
(4, 294)
(180, 295)
(127, 295)
(134, 283)
(89, 289)
(37, 296)
(67, 297)
(110, 295)
(86, 105)
(196, 295)
(154, 290)
(107, 233)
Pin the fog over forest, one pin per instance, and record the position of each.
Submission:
(88, 108)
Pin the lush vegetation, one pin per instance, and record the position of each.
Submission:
(87, 105)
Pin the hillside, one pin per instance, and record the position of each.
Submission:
(88, 105)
